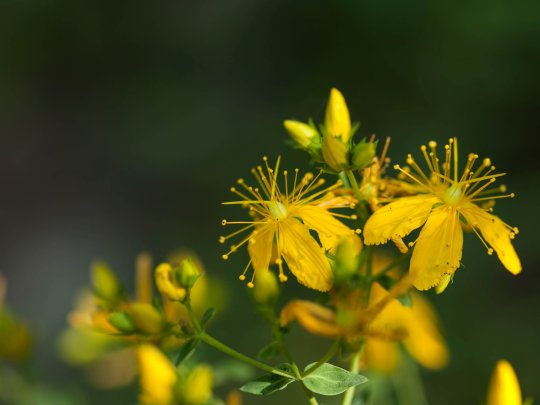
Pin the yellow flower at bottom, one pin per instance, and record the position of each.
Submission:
(504, 386)
(197, 389)
(282, 219)
(157, 376)
(445, 201)
(422, 340)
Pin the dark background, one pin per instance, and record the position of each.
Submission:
(122, 126)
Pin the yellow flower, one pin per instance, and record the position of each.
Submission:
(504, 387)
(422, 339)
(445, 200)
(197, 388)
(157, 376)
(337, 120)
(282, 221)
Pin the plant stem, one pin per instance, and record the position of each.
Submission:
(361, 208)
(353, 368)
(216, 344)
(327, 356)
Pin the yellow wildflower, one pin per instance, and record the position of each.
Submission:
(504, 387)
(157, 376)
(282, 220)
(197, 388)
(166, 283)
(444, 201)
(337, 120)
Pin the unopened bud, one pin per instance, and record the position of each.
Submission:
(266, 288)
(146, 318)
(445, 281)
(121, 321)
(337, 120)
(167, 283)
(188, 273)
(363, 154)
(106, 285)
(346, 263)
(335, 153)
(302, 134)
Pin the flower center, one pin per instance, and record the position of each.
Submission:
(277, 210)
(453, 195)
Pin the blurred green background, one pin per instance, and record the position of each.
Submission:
(123, 125)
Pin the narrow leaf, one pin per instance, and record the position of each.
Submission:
(185, 350)
(207, 316)
(331, 380)
(268, 383)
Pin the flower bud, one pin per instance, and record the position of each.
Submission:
(197, 389)
(146, 318)
(157, 376)
(121, 321)
(106, 285)
(337, 120)
(363, 154)
(167, 284)
(302, 134)
(266, 288)
(188, 273)
(346, 263)
(334, 153)
(445, 281)
(504, 387)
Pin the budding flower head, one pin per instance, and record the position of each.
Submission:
(346, 263)
(188, 273)
(167, 284)
(335, 153)
(197, 388)
(362, 154)
(337, 120)
(266, 289)
(106, 285)
(504, 386)
(157, 376)
(302, 134)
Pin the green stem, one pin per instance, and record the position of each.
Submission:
(361, 208)
(353, 368)
(324, 359)
(216, 344)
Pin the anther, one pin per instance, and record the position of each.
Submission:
(240, 181)
(432, 144)
(354, 216)
(512, 195)
(233, 189)
(241, 277)
(224, 222)
(487, 162)
(282, 278)
(396, 167)
(222, 239)
(250, 284)
(225, 257)
(358, 231)
(490, 251)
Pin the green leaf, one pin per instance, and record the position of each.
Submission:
(231, 370)
(268, 383)
(269, 352)
(331, 380)
(185, 350)
(207, 316)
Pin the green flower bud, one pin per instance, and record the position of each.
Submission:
(346, 260)
(121, 321)
(188, 273)
(363, 154)
(302, 134)
(335, 153)
(265, 288)
(105, 283)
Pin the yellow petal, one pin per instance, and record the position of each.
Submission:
(337, 120)
(330, 230)
(304, 256)
(381, 356)
(425, 342)
(312, 317)
(398, 218)
(438, 248)
(157, 376)
(496, 234)
(260, 246)
(504, 386)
